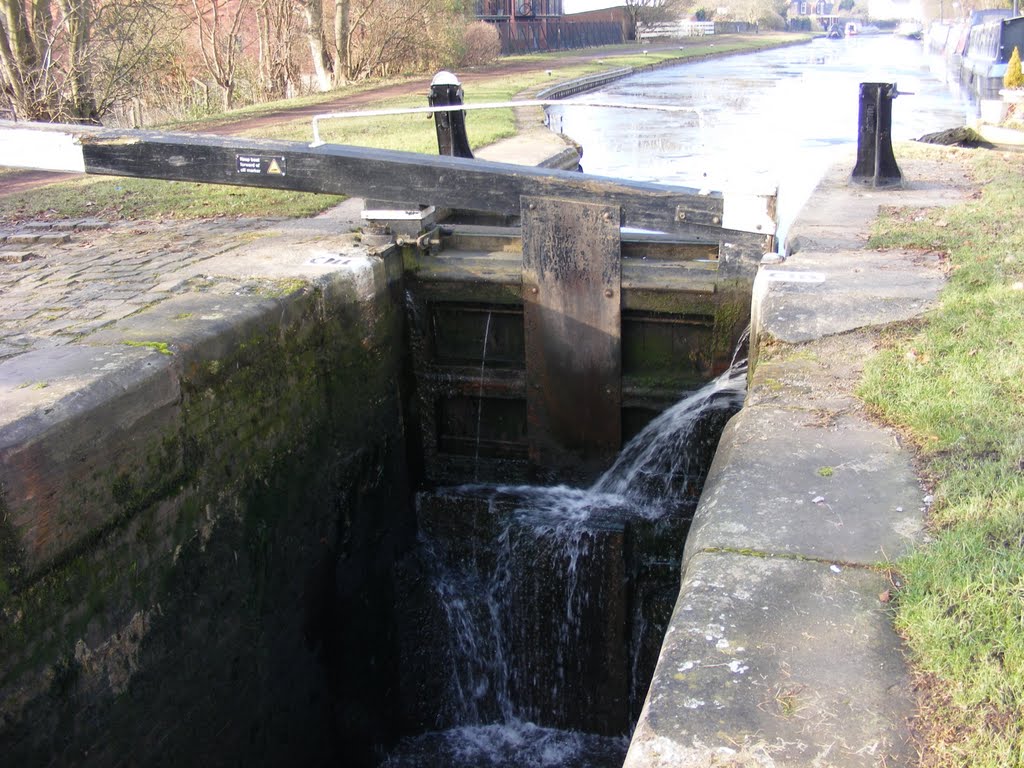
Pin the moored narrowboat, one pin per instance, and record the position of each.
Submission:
(989, 47)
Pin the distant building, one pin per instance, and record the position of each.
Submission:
(878, 10)
(503, 10)
(812, 8)
(541, 25)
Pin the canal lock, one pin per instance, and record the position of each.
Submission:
(380, 595)
(539, 590)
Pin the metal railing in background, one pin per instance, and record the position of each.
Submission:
(531, 35)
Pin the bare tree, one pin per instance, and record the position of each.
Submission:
(218, 27)
(319, 48)
(44, 59)
(756, 11)
(277, 25)
(355, 39)
(23, 48)
(342, 38)
(134, 46)
(78, 60)
(385, 35)
(76, 15)
(652, 12)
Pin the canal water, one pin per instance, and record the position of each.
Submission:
(774, 119)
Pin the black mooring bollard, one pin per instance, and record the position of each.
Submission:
(876, 164)
(446, 90)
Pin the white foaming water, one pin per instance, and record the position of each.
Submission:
(651, 469)
(515, 743)
(515, 627)
(659, 461)
(480, 678)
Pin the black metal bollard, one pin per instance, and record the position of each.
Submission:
(876, 164)
(446, 90)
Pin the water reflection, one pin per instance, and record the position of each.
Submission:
(771, 119)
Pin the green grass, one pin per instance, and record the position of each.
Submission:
(116, 198)
(408, 133)
(272, 107)
(955, 384)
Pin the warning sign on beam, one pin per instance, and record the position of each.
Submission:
(265, 165)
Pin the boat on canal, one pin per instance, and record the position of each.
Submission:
(968, 54)
(989, 47)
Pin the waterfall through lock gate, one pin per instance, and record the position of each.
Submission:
(535, 614)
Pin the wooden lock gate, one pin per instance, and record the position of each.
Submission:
(585, 279)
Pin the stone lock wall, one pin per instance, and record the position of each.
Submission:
(196, 547)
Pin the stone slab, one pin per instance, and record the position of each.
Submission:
(839, 214)
(195, 326)
(294, 251)
(41, 388)
(809, 377)
(816, 294)
(538, 147)
(776, 662)
(784, 481)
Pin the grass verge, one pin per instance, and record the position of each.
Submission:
(124, 198)
(955, 384)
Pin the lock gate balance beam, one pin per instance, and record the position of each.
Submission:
(745, 220)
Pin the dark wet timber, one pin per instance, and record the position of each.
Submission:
(573, 344)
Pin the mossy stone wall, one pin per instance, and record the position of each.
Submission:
(233, 603)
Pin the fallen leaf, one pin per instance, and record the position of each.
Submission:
(885, 596)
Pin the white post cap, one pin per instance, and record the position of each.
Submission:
(444, 77)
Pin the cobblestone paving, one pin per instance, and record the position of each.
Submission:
(61, 281)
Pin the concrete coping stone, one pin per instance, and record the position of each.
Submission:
(786, 482)
(80, 401)
(776, 662)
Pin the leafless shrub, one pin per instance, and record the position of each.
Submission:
(481, 44)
